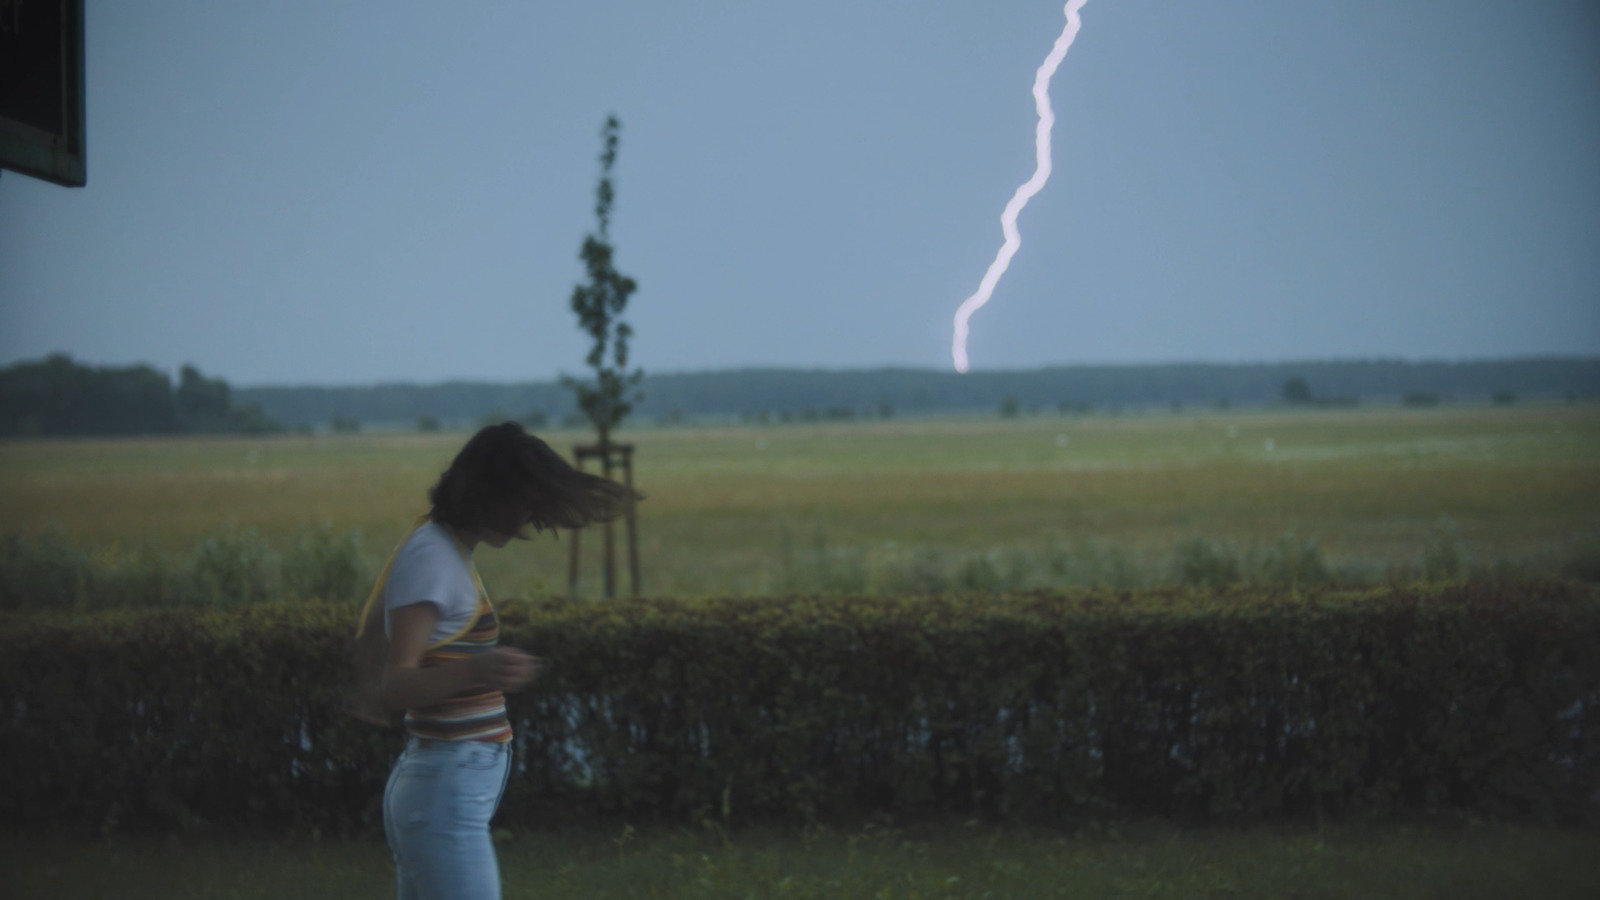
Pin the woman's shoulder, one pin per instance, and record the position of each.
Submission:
(430, 549)
(428, 539)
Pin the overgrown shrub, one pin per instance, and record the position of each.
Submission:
(322, 563)
(1292, 562)
(908, 570)
(982, 572)
(46, 573)
(1203, 562)
(1091, 564)
(892, 569)
(141, 577)
(235, 566)
(1443, 557)
(42, 573)
(818, 568)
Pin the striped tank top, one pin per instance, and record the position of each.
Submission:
(476, 714)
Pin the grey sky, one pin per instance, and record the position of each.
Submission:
(298, 192)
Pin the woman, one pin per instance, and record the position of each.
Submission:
(442, 662)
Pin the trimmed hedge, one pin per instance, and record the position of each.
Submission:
(1045, 707)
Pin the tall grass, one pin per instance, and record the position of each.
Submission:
(235, 565)
(815, 566)
(239, 565)
(1290, 561)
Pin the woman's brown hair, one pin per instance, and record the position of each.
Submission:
(505, 479)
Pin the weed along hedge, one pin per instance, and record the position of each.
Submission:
(1037, 707)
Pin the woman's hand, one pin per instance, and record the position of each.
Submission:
(504, 668)
(366, 705)
(406, 685)
(363, 697)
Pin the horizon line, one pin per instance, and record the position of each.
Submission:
(945, 372)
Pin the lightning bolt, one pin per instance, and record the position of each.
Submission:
(1041, 174)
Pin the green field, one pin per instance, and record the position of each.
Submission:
(881, 505)
(1459, 861)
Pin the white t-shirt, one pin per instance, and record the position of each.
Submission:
(429, 568)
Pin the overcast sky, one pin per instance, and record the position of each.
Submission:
(355, 192)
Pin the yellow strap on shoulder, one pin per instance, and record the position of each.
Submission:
(383, 579)
(477, 584)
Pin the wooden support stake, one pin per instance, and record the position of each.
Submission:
(633, 525)
(610, 554)
(604, 453)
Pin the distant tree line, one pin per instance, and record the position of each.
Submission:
(1297, 392)
(778, 395)
(56, 396)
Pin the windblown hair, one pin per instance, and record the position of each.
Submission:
(505, 479)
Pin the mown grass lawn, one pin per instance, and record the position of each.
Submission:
(1456, 861)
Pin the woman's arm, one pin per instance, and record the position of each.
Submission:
(368, 658)
(407, 685)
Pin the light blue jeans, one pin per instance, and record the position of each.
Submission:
(436, 813)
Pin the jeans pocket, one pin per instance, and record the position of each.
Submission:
(410, 804)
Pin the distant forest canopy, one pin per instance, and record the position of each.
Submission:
(767, 394)
(56, 396)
